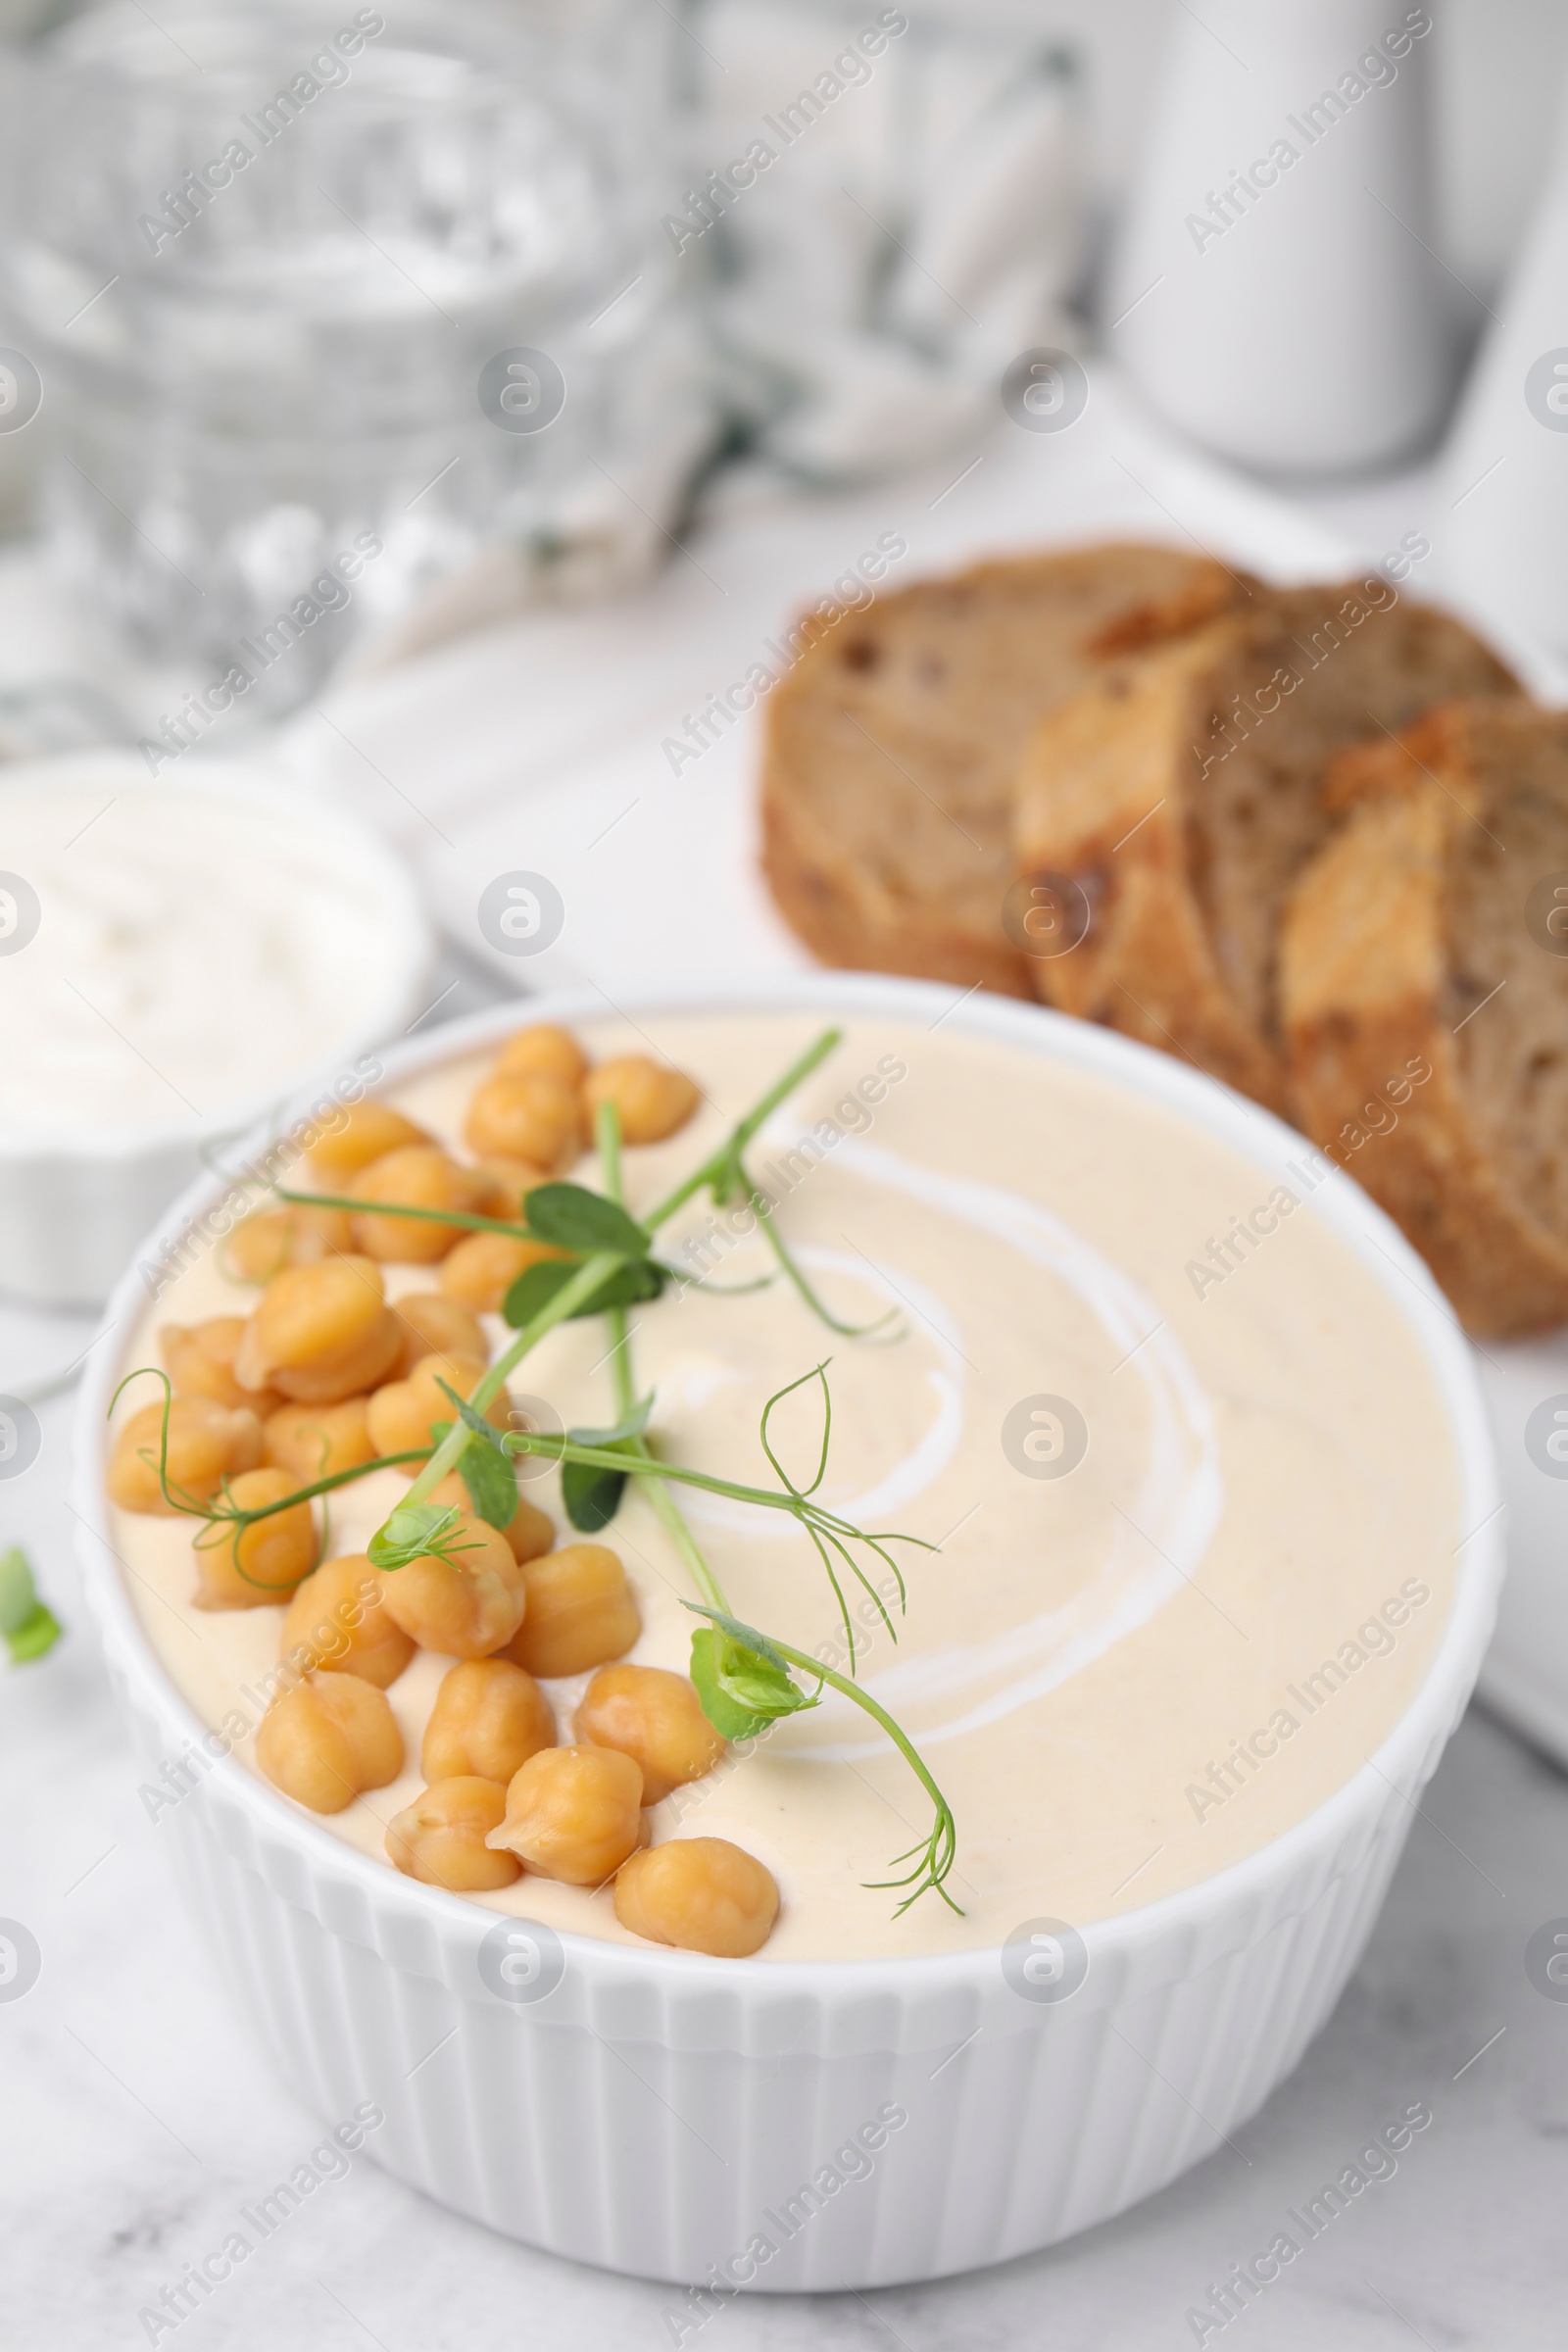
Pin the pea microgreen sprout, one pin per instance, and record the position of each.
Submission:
(742, 1675)
(603, 1264)
(754, 1677)
(820, 1526)
(732, 1178)
(223, 1510)
(610, 1264)
(715, 1169)
(588, 1281)
(725, 1176)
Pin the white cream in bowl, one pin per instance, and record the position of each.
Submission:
(1126, 1677)
(193, 948)
(175, 956)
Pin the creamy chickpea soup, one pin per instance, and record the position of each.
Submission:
(1191, 1504)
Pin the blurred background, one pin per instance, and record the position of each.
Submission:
(251, 306)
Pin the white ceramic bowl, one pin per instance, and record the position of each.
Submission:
(656, 2111)
(75, 1204)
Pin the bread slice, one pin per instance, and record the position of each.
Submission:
(893, 744)
(1170, 807)
(1424, 999)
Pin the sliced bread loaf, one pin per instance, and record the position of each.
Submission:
(893, 744)
(1424, 999)
(1165, 811)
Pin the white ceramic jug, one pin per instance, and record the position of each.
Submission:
(1273, 292)
(1501, 538)
(1525, 1677)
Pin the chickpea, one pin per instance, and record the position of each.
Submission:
(336, 1378)
(465, 1612)
(510, 1181)
(653, 1099)
(529, 1532)
(544, 1049)
(294, 1236)
(357, 1134)
(199, 1358)
(421, 1176)
(317, 1440)
(338, 1619)
(441, 1837)
(483, 1267)
(317, 1233)
(653, 1717)
(580, 1611)
(489, 1717)
(322, 1333)
(572, 1813)
(327, 1739)
(244, 1568)
(402, 1413)
(699, 1893)
(437, 1325)
(206, 1443)
(259, 1247)
(398, 1415)
(310, 1316)
(522, 1114)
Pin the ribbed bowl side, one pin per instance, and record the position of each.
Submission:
(638, 2152)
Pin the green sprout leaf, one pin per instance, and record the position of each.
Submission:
(591, 1497)
(729, 1717)
(413, 1530)
(591, 1494)
(489, 1477)
(536, 1286)
(471, 1417)
(742, 1680)
(492, 1485)
(573, 1219)
(29, 1627)
(485, 1470)
(595, 1464)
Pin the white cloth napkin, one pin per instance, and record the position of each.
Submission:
(909, 240)
(852, 308)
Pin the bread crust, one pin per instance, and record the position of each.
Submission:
(1368, 992)
(1114, 800)
(886, 800)
(834, 912)
(1104, 806)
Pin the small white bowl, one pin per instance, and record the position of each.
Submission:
(75, 1200)
(651, 2111)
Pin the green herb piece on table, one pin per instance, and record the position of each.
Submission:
(29, 1627)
